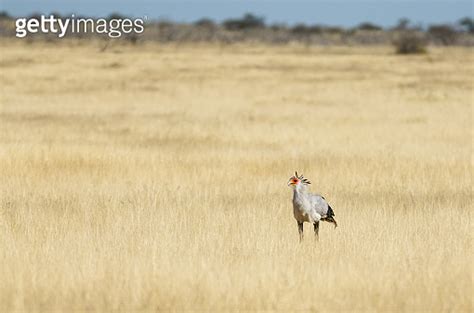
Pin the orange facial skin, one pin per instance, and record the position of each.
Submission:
(294, 181)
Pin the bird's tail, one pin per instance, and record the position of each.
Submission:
(331, 220)
(330, 216)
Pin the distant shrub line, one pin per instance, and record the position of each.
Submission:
(406, 37)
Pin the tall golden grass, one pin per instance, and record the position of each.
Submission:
(154, 178)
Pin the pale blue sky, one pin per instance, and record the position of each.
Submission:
(336, 12)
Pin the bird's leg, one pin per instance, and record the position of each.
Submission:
(316, 230)
(300, 230)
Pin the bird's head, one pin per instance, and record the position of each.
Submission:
(297, 181)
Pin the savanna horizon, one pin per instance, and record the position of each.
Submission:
(154, 177)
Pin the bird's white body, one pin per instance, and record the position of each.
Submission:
(309, 207)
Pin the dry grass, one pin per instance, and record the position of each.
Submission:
(154, 178)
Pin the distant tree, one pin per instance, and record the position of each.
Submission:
(35, 15)
(205, 23)
(316, 29)
(116, 16)
(403, 24)
(334, 30)
(303, 29)
(444, 33)
(300, 29)
(5, 15)
(368, 26)
(410, 42)
(467, 24)
(55, 14)
(248, 21)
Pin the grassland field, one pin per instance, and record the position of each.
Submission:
(154, 178)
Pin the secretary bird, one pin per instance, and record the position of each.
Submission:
(309, 207)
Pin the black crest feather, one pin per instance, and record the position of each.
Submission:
(302, 178)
